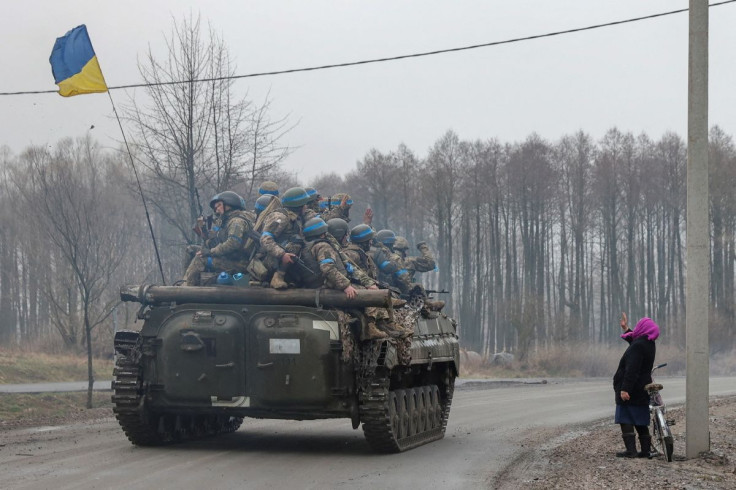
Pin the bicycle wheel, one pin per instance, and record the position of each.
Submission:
(662, 437)
(669, 441)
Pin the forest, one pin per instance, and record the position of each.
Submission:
(539, 242)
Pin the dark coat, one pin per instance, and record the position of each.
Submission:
(635, 371)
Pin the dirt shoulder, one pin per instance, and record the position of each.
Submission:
(20, 410)
(583, 457)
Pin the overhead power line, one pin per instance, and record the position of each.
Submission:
(391, 58)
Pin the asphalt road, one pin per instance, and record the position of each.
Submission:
(55, 387)
(484, 434)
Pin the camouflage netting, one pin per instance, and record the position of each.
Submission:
(405, 318)
(349, 352)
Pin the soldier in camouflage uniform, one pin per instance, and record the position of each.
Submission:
(424, 263)
(358, 248)
(261, 204)
(338, 206)
(314, 199)
(389, 262)
(281, 239)
(412, 265)
(223, 251)
(313, 206)
(333, 270)
(337, 234)
(268, 188)
(358, 251)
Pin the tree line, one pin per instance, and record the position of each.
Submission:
(539, 242)
(544, 242)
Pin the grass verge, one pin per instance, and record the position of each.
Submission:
(29, 367)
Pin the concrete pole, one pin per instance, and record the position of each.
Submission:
(697, 235)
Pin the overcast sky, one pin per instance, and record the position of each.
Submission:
(632, 76)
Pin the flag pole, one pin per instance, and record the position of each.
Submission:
(140, 188)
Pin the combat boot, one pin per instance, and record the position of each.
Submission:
(434, 305)
(630, 442)
(277, 281)
(390, 328)
(373, 333)
(646, 446)
(397, 303)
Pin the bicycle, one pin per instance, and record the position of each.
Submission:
(662, 440)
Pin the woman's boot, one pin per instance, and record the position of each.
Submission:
(630, 442)
(646, 446)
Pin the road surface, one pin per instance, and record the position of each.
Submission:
(487, 425)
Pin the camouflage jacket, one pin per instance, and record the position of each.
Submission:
(356, 273)
(389, 267)
(424, 263)
(251, 215)
(311, 213)
(361, 258)
(230, 232)
(330, 263)
(281, 229)
(336, 212)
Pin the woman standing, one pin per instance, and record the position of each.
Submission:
(633, 373)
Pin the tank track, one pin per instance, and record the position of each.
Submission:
(144, 427)
(401, 419)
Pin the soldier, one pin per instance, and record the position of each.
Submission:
(313, 206)
(337, 233)
(314, 198)
(338, 206)
(269, 188)
(358, 253)
(331, 266)
(358, 248)
(424, 263)
(261, 204)
(224, 251)
(281, 239)
(389, 262)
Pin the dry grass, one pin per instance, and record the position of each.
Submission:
(29, 367)
(584, 360)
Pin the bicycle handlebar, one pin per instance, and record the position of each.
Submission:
(660, 366)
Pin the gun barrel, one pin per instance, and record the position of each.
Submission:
(158, 295)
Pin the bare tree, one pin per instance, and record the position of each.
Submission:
(83, 223)
(8, 237)
(375, 183)
(194, 137)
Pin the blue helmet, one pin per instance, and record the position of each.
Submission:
(314, 228)
(387, 237)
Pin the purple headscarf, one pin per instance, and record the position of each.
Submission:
(645, 328)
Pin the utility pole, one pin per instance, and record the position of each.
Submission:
(697, 235)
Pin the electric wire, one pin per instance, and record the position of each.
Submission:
(392, 58)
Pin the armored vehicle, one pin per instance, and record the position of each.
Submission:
(208, 356)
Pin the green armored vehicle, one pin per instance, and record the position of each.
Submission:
(208, 356)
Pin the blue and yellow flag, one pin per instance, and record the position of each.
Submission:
(74, 64)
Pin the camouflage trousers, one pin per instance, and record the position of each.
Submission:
(201, 264)
(273, 264)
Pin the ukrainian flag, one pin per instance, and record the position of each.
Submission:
(74, 64)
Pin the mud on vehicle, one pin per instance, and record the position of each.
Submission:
(208, 356)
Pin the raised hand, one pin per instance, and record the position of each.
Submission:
(368, 216)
